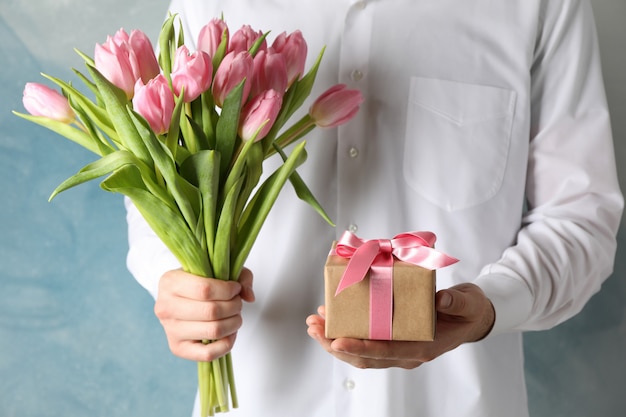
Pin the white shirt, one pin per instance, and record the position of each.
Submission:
(484, 122)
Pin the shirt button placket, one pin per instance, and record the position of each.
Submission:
(353, 67)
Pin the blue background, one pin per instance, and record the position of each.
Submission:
(77, 334)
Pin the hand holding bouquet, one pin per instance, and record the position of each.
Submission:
(184, 136)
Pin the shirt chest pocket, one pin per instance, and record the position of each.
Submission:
(457, 141)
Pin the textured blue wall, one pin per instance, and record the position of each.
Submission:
(77, 334)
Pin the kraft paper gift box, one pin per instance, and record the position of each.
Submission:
(412, 306)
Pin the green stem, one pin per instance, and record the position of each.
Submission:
(231, 380)
(218, 387)
(298, 130)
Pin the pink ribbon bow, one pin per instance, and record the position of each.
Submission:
(377, 256)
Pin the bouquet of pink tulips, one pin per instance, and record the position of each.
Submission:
(184, 136)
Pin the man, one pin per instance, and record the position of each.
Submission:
(484, 122)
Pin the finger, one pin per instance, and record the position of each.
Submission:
(246, 279)
(369, 363)
(385, 350)
(192, 310)
(201, 352)
(194, 287)
(363, 354)
(460, 300)
(198, 330)
(316, 326)
(316, 330)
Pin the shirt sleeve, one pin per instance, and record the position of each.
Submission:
(148, 258)
(566, 246)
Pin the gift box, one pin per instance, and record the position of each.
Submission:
(383, 289)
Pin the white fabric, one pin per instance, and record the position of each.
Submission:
(484, 122)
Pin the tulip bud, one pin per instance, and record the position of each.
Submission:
(210, 36)
(244, 38)
(113, 62)
(336, 106)
(155, 102)
(260, 111)
(124, 59)
(41, 100)
(270, 73)
(234, 68)
(191, 71)
(294, 49)
(143, 59)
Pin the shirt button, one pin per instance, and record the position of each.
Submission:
(360, 4)
(353, 152)
(349, 384)
(353, 228)
(356, 75)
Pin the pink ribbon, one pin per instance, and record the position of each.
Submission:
(377, 257)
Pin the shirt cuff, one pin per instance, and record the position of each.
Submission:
(511, 298)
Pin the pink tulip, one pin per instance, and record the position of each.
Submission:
(235, 67)
(336, 106)
(294, 49)
(145, 63)
(113, 62)
(270, 72)
(244, 38)
(260, 111)
(41, 100)
(124, 59)
(155, 102)
(191, 71)
(210, 36)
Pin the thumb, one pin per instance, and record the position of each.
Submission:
(245, 279)
(460, 300)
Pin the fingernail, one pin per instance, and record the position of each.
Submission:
(445, 301)
(250, 291)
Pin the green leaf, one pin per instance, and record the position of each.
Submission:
(88, 83)
(259, 207)
(257, 44)
(254, 170)
(303, 192)
(103, 166)
(171, 140)
(94, 112)
(181, 35)
(167, 44)
(88, 60)
(227, 126)
(110, 163)
(169, 226)
(104, 146)
(116, 104)
(186, 195)
(208, 118)
(75, 135)
(238, 166)
(193, 134)
(221, 51)
(202, 170)
(224, 237)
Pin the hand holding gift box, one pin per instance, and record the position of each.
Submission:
(383, 289)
